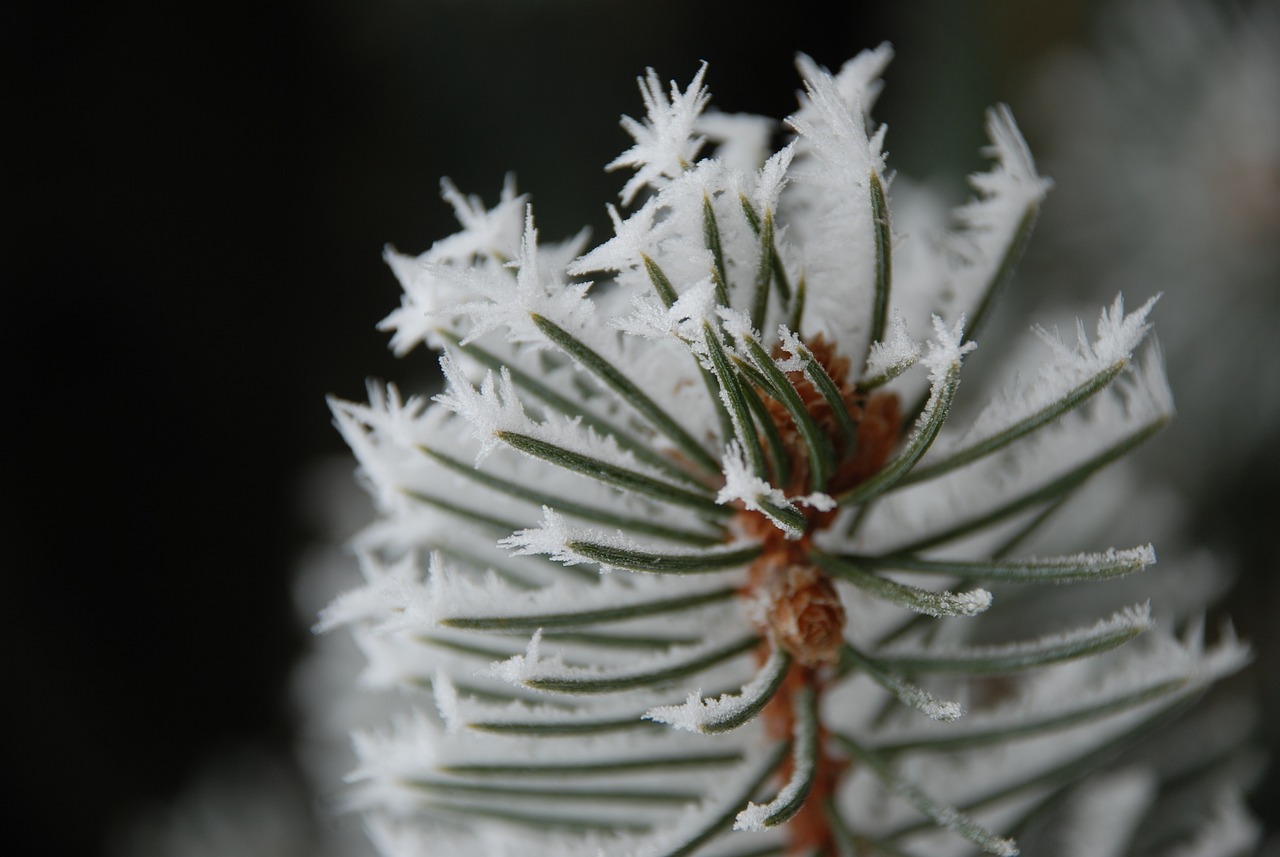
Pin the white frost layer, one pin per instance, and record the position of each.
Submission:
(456, 594)
(723, 799)
(895, 354)
(496, 408)
(1104, 813)
(1133, 405)
(386, 591)
(950, 777)
(533, 665)
(697, 713)
(395, 441)
(756, 816)
(742, 485)
(829, 207)
(1068, 368)
(741, 139)
(1136, 618)
(949, 271)
(858, 81)
(1228, 830)
(664, 142)
(495, 299)
(459, 711)
(1007, 194)
(946, 350)
(486, 235)
(418, 745)
(684, 320)
(510, 299)
(555, 539)
(945, 711)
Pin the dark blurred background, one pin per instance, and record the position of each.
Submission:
(197, 199)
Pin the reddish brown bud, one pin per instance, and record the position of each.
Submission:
(806, 616)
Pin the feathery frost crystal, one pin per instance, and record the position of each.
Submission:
(689, 558)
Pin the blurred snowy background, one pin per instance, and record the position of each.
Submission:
(198, 201)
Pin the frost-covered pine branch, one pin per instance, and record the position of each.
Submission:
(695, 559)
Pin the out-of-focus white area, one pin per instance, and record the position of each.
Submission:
(1163, 139)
